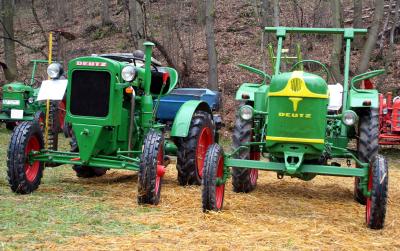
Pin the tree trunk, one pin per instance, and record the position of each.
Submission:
(7, 15)
(266, 20)
(389, 59)
(136, 23)
(105, 15)
(337, 40)
(357, 22)
(276, 12)
(372, 36)
(210, 41)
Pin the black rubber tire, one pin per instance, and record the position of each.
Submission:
(186, 157)
(147, 192)
(367, 145)
(10, 125)
(17, 158)
(379, 193)
(39, 117)
(242, 133)
(209, 186)
(88, 171)
(85, 172)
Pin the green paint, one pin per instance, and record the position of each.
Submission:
(291, 118)
(181, 125)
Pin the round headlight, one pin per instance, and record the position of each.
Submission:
(349, 118)
(246, 112)
(54, 70)
(31, 100)
(128, 73)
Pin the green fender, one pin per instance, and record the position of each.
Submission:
(249, 89)
(357, 98)
(183, 117)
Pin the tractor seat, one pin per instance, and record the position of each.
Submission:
(157, 83)
(335, 97)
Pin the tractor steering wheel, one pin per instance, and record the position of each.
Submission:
(323, 66)
(35, 83)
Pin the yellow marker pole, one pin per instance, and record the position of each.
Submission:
(46, 129)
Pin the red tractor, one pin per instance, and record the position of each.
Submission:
(389, 119)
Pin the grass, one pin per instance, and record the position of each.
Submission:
(64, 208)
(102, 213)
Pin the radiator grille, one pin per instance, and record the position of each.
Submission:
(90, 93)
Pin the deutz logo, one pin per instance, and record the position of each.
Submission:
(295, 102)
(96, 64)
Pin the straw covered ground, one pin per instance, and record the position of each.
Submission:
(75, 214)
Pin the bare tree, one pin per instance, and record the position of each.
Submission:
(105, 15)
(211, 50)
(337, 22)
(276, 12)
(389, 57)
(266, 20)
(7, 15)
(357, 22)
(372, 36)
(135, 22)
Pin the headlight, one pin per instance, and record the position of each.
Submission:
(246, 112)
(128, 73)
(31, 100)
(54, 70)
(349, 118)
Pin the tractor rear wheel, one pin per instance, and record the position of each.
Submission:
(192, 149)
(152, 169)
(40, 118)
(11, 125)
(24, 176)
(212, 192)
(367, 145)
(378, 187)
(244, 180)
(85, 171)
(88, 171)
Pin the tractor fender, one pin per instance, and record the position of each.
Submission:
(249, 89)
(181, 125)
(364, 99)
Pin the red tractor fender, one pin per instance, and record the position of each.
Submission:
(396, 115)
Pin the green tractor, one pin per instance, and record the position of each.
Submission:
(301, 124)
(119, 108)
(19, 103)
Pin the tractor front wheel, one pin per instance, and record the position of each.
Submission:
(24, 176)
(367, 145)
(152, 169)
(244, 180)
(192, 149)
(213, 173)
(378, 187)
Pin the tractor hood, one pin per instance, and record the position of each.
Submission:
(16, 87)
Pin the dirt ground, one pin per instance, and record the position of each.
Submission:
(280, 214)
(286, 214)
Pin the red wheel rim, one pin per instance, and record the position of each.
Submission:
(219, 190)
(31, 170)
(254, 172)
(368, 206)
(41, 122)
(205, 139)
(61, 113)
(160, 160)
